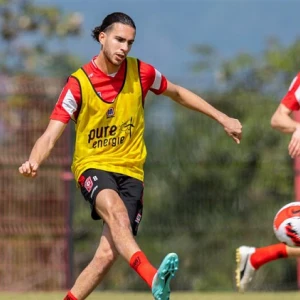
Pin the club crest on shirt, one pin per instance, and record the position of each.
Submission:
(110, 113)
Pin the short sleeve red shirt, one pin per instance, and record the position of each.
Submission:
(108, 86)
(292, 98)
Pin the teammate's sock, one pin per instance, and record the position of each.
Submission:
(267, 254)
(142, 266)
(70, 296)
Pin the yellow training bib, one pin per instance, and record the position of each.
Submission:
(110, 136)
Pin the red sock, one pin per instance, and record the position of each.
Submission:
(142, 266)
(266, 254)
(70, 296)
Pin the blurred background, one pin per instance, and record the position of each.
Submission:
(204, 195)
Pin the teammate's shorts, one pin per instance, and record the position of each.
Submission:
(130, 190)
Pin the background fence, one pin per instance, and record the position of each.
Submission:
(34, 214)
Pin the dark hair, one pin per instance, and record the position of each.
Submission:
(109, 20)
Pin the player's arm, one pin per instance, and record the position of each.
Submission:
(42, 148)
(190, 100)
(66, 107)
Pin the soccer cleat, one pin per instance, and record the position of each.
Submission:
(161, 281)
(244, 269)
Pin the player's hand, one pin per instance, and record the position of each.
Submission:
(233, 128)
(294, 146)
(29, 169)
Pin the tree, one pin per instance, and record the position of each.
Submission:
(27, 33)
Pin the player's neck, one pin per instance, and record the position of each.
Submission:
(105, 66)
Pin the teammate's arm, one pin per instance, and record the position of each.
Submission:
(282, 121)
(190, 100)
(42, 148)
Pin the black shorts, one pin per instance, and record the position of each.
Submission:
(130, 190)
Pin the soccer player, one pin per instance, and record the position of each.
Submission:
(106, 99)
(250, 259)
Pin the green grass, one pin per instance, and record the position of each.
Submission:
(147, 296)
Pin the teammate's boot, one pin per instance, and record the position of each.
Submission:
(244, 270)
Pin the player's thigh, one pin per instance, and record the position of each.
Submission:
(131, 191)
(92, 182)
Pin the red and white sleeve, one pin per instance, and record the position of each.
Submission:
(292, 98)
(68, 104)
(152, 79)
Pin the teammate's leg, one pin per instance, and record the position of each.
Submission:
(250, 259)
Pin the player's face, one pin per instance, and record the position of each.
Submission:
(117, 42)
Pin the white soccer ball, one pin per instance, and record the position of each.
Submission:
(286, 224)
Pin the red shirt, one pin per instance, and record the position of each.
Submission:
(69, 101)
(292, 98)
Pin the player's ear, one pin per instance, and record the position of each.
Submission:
(102, 37)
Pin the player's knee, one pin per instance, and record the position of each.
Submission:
(110, 257)
(104, 259)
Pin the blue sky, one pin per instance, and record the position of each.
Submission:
(166, 29)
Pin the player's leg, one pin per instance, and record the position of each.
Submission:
(112, 210)
(93, 274)
(131, 192)
(101, 189)
(250, 259)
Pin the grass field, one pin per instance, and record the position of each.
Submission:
(147, 296)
